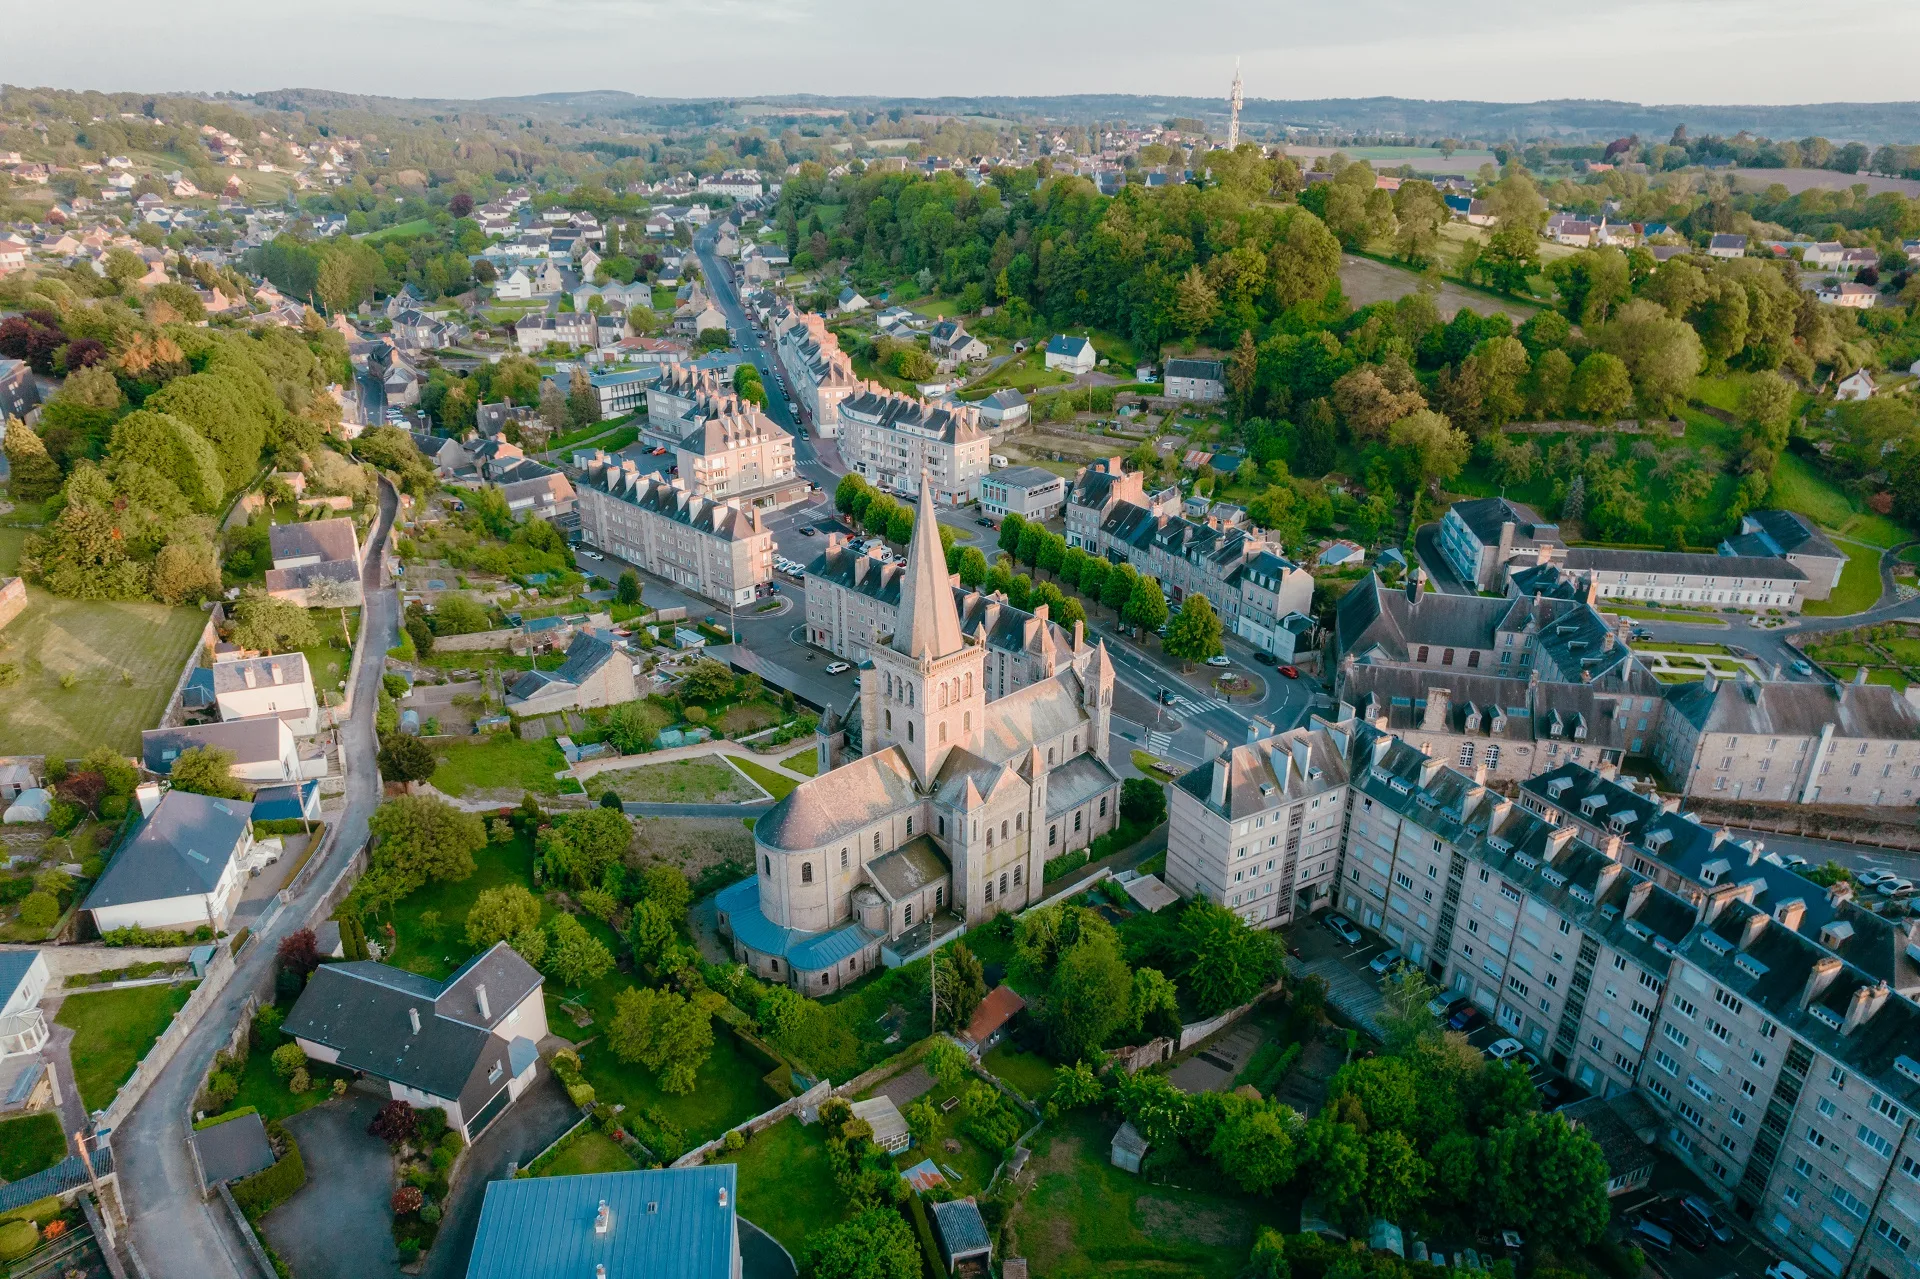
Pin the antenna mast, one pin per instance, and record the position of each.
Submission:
(1234, 99)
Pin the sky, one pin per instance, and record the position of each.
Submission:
(1652, 51)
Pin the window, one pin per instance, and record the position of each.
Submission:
(1684, 1005)
(989, 890)
(909, 827)
(909, 915)
(806, 872)
(1689, 1114)
(1732, 1003)
(1076, 821)
(1053, 835)
(1875, 1142)
(1666, 1063)
(1887, 1109)
(1850, 1201)
(1759, 1059)
(1003, 883)
(843, 855)
(1466, 754)
(909, 730)
(1892, 1234)
(1016, 877)
(1736, 1117)
(1827, 1108)
(1816, 1138)
(766, 865)
(1674, 1033)
(1699, 1089)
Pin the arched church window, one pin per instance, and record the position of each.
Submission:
(909, 730)
(806, 872)
(943, 732)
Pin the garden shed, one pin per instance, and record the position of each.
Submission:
(1129, 1148)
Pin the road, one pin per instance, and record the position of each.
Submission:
(176, 1232)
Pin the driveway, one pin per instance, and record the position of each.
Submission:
(337, 1224)
(531, 1124)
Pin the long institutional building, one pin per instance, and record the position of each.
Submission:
(1767, 1021)
(712, 547)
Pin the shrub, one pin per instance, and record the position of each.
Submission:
(40, 1211)
(734, 1140)
(396, 1123)
(407, 1199)
(300, 1083)
(695, 714)
(580, 1094)
(266, 1022)
(271, 1186)
(17, 1239)
(430, 1213)
(221, 1089)
(39, 910)
(288, 1059)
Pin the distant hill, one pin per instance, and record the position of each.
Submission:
(1574, 119)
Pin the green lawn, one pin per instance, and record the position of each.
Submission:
(588, 1150)
(500, 762)
(494, 866)
(1716, 650)
(112, 1031)
(419, 226)
(727, 1091)
(1702, 616)
(124, 659)
(1851, 654)
(786, 1184)
(776, 784)
(808, 760)
(1859, 588)
(1797, 486)
(29, 1144)
(1907, 650)
(1084, 1217)
(704, 780)
(1030, 1073)
(267, 1093)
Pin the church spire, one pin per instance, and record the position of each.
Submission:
(929, 625)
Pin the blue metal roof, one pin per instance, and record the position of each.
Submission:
(808, 952)
(665, 1221)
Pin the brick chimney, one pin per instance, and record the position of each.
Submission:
(1819, 977)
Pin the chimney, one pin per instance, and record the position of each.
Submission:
(1819, 977)
(1434, 718)
(1637, 896)
(723, 1196)
(1751, 927)
(1282, 764)
(248, 674)
(480, 997)
(1839, 891)
(148, 793)
(1790, 913)
(1258, 729)
(1215, 744)
(275, 670)
(1860, 676)
(1866, 1001)
(1416, 585)
(603, 1219)
(413, 1015)
(600, 1270)
(1222, 768)
(1603, 881)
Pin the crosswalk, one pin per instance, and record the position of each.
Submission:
(1195, 706)
(1159, 743)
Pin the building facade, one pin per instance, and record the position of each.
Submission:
(1201, 380)
(1027, 491)
(894, 439)
(734, 452)
(1679, 577)
(1482, 537)
(819, 374)
(718, 549)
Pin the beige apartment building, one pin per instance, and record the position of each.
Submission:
(681, 398)
(1675, 577)
(718, 549)
(1798, 743)
(892, 439)
(735, 452)
(819, 375)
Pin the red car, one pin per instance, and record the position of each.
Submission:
(1291, 672)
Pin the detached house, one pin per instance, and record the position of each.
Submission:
(280, 686)
(1074, 354)
(183, 867)
(312, 552)
(594, 674)
(468, 1045)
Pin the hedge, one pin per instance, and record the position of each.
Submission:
(212, 1121)
(270, 1187)
(40, 1211)
(282, 826)
(17, 1239)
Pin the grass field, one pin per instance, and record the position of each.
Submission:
(419, 951)
(502, 762)
(588, 1150)
(124, 659)
(1859, 588)
(682, 781)
(112, 1031)
(267, 1093)
(1031, 1074)
(808, 761)
(786, 1184)
(419, 226)
(727, 1091)
(776, 784)
(1797, 486)
(29, 1144)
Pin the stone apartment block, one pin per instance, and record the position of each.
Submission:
(1099, 490)
(893, 439)
(718, 549)
(680, 398)
(819, 374)
(1259, 828)
(735, 452)
(1482, 537)
(1792, 537)
(1803, 743)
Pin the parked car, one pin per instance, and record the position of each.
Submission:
(1699, 1210)
(1468, 1018)
(1220, 660)
(1785, 1270)
(1385, 961)
(983, 521)
(1803, 667)
(807, 530)
(838, 668)
(1691, 1234)
(1554, 1093)
(593, 555)
(1343, 928)
(1792, 861)
(1501, 1049)
(1291, 672)
(1443, 1005)
(1895, 888)
(1651, 1234)
(1265, 658)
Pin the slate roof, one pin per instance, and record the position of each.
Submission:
(254, 740)
(1255, 786)
(824, 808)
(234, 1149)
(1202, 370)
(1039, 712)
(928, 624)
(663, 1221)
(1603, 560)
(1025, 477)
(1485, 516)
(1772, 533)
(229, 677)
(808, 952)
(1063, 344)
(586, 654)
(1486, 706)
(962, 1230)
(670, 501)
(945, 423)
(178, 850)
(1073, 783)
(362, 1009)
(909, 868)
(13, 971)
(1796, 709)
(328, 539)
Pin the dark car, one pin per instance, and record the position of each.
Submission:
(1690, 1233)
(1554, 1094)
(1265, 659)
(806, 530)
(1701, 1213)
(1466, 1018)
(983, 521)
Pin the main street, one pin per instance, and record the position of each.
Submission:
(175, 1231)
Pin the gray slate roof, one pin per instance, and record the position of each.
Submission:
(1203, 370)
(13, 971)
(329, 539)
(253, 740)
(179, 850)
(1797, 709)
(1604, 560)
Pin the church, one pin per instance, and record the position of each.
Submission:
(935, 806)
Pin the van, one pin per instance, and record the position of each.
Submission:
(997, 460)
(1650, 1234)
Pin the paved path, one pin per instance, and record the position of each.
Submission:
(336, 1226)
(534, 1121)
(177, 1232)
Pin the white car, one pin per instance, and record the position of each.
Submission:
(1501, 1049)
(1895, 888)
(1785, 1270)
(838, 668)
(1220, 661)
(1875, 878)
(593, 555)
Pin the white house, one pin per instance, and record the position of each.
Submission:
(516, 287)
(1860, 386)
(23, 979)
(468, 1045)
(278, 685)
(263, 749)
(1074, 354)
(183, 867)
(1860, 297)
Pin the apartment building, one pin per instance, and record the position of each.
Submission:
(892, 439)
(1259, 828)
(1676, 577)
(1482, 537)
(735, 451)
(718, 549)
(820, 377)
(681, 396)
(1099, 489)
(1799, 743)
(1276, 605)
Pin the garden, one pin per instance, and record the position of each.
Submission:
(29, 1144)
(112, 1031)
(1889, 653)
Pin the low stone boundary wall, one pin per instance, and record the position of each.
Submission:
(219, 973)
(791, 1106)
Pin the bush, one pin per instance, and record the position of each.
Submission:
(407, 1199)
(17, 1239)
(580, 1094)
(734, 1140)
(300, 1083)
(222, 1088)
(273, 1185)
(287, 1059)
(39, 910)
(147, 937)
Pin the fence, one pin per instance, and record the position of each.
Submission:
(791, 1106)
(1199, 1030)
(245, 1228)
(218, 974)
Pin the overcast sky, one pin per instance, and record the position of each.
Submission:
(1653, 51)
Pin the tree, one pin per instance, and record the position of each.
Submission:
(405, 758)
(630, 729)
(1074, 1087)
(39, 910)
(1146, 606)
(580, 848)
(395, 1123)
(947, 1061)
(1405, 1018)
(419, 838)
(553, 407)
(1254, 1145)
(1117, 591)
(963, 984)
(1432, 450)
(500, 914)
(1510, 258)
(627, 591)
(123, 267)
(1549, 383)
(185, 570)
(1396, 1175)
(1336, 1163)
(574, 955)
(1368, 406)
(707, 681)
(973, 567)
(1194, 634)
(583, 402)
(299, 953)
(874, 1244)
(206, 770)
(1601, 387)
(1548, 1180)
(663, 1030)
(457, 613)
(651, 932)
(1143, 801)
(272, 625)
(1662, 355)
(1087, 1001)
(1156, 1004)
(1229, 963)
(1502, 365)
(32, 475)
(1093, 578)
(851, 495)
